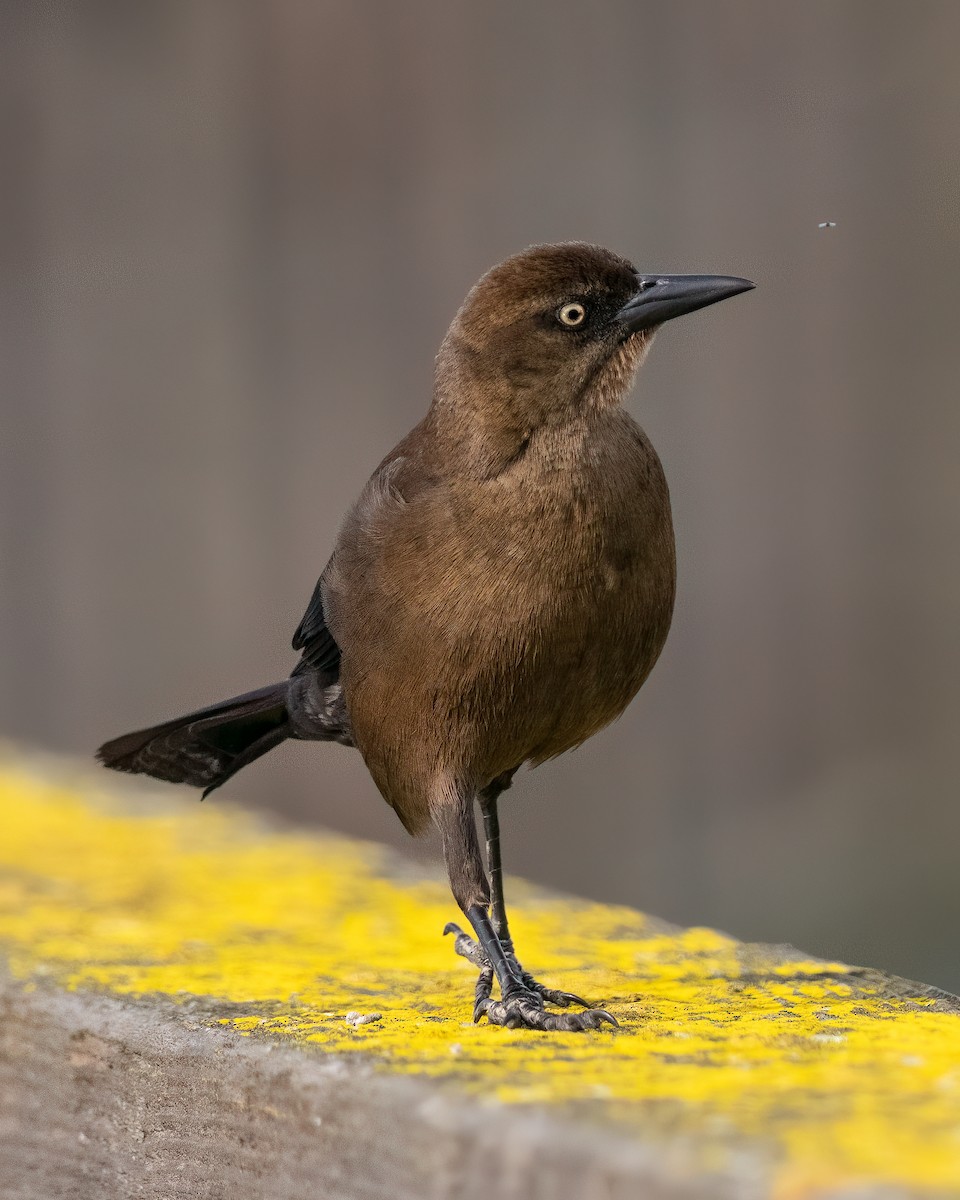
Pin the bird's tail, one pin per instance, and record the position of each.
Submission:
(205, 748)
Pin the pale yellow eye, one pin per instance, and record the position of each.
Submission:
(572, 314)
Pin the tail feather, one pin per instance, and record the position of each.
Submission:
(267, 741)
(205, 748)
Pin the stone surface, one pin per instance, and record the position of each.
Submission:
(106, 1097)
(174, 1005)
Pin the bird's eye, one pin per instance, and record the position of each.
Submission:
(572, 314)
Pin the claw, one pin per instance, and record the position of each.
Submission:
(525, 1010)
(598, 1016)
(564, 999)
(466, 947)
(551, 996)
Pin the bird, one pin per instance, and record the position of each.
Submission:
(497, 594)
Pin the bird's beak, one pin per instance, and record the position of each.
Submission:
(662, 297)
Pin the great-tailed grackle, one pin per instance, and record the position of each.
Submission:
(498, 593)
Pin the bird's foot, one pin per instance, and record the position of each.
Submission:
(523, 1008)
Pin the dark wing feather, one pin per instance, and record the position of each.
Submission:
(389, 489)
(314, 639)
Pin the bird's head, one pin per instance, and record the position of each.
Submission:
(560, 328)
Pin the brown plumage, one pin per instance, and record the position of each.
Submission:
(499, 591)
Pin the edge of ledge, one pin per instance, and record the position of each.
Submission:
(118, 1097)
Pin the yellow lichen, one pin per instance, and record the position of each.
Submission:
(281, 934)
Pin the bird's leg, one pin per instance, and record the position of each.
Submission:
(498, 911)
(522, 997)
(491, 828)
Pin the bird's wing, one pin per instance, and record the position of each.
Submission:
(387, 493)
(314, 639)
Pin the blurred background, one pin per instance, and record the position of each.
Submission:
(233, 233)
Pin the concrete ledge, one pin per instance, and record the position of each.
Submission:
(173, 1025)
(106, 1098)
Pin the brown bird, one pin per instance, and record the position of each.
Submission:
(497, 594)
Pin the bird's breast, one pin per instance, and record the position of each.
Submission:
(586, 586)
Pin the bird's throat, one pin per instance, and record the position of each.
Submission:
(613, 378)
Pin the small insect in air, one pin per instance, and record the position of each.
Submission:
(827, 225)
